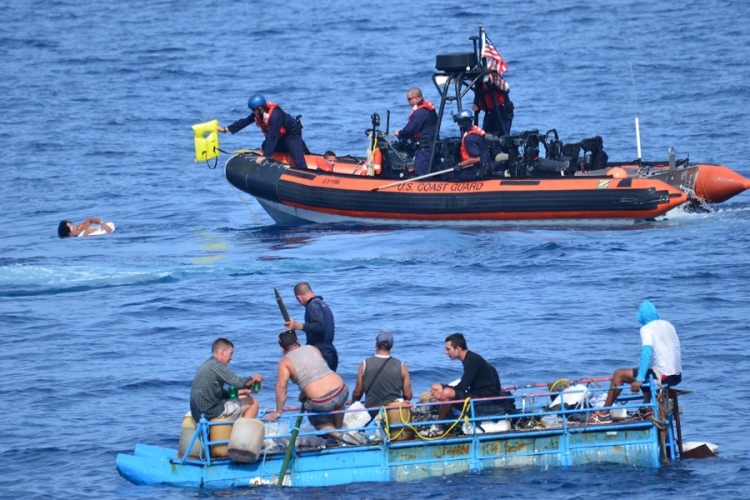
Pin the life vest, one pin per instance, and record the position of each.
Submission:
(489, 96)
(473, 130)
(262, 122)
(322, 164)
(429, 122)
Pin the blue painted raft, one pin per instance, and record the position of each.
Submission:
(638, 442)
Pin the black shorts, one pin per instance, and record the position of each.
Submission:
(670, 380)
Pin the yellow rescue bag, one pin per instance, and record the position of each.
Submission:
(206, 146)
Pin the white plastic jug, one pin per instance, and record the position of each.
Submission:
(246, 440)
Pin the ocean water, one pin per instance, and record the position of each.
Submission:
(101, 336)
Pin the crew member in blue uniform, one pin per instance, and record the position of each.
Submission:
(473, 154)
(420, 129)
(282, 132)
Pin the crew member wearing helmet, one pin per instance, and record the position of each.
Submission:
(420, 129)
(473, 151)
(283, 132)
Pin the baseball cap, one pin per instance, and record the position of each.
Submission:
(384, 337)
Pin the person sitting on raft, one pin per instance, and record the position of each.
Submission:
(207, 394)
(479, 380)
(67, 229)
(661, 359)
(382, 378)
(321, 389)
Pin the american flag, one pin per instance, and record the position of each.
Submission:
(494, 59)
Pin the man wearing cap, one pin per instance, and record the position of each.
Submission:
(382, 378)
(321, 389)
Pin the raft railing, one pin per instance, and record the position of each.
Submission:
(665, 427)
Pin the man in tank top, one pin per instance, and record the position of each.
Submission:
(321, 389)
(382, 378)
(319, 327)
(661, 360)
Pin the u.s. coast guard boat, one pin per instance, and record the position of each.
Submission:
(531, 176)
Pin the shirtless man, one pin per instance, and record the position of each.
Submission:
(321, 389)
(67, 229)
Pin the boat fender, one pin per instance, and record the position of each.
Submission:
(374, 165)
(377, 162)
(617, 173)
(206, 140)
(246, 440)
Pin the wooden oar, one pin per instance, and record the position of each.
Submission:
(425, 176)
(292, 440)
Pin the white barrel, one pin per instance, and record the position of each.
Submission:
(246, 440)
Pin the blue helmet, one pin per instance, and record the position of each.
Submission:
(255, 101)
(464, 114)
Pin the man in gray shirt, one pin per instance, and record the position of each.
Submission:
(208, 396)
(382, 378)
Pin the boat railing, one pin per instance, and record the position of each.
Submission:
(534, 415)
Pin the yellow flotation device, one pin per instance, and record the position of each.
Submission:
(206, 146)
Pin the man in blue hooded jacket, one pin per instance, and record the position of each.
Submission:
(660, 360)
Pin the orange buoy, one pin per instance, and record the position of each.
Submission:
(617, 173)
(717, 183)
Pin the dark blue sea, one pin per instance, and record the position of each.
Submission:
(101, 336)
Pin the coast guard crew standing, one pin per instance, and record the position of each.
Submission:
(282, 132)
(420, 129)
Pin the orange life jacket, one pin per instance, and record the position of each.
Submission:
(322, 164)
(425, 104)
(473, 130)
(488, 97)
(262, 122)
